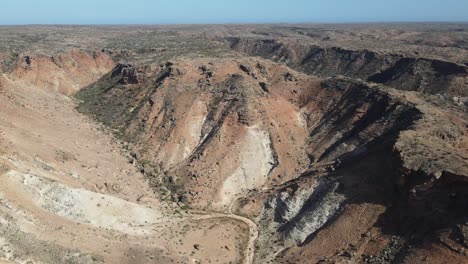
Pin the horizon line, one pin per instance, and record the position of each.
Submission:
(245, 23)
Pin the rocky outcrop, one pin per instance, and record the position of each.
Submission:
(224, 126)
(393, 166)
(413, 74)
(129, 74)
(425, 75)
(358, 122)
(339, 168)
(65, 73)
(305, 157)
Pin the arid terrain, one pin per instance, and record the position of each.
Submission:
(246, 144)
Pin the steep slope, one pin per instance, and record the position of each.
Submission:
(234, 159)
(183, 115)
(386, 171)
(68, 194)
(406, 73)
(309, 159)
(64, 73)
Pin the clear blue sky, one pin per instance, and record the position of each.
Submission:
(227, 11)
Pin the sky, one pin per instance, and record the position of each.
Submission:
(14, 12)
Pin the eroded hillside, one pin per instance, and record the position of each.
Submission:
(236, 144)
(70, 194)
(294, 152)
(406, 73)
(63, 73)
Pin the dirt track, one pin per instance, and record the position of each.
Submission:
(249, 252)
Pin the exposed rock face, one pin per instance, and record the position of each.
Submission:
(425, 75)
(65, 73)
(128, 72)
(317, 162)
(414, 74)
(212, 125)
(366, 165)
(338, 168)
(322, 202)
(61, 170)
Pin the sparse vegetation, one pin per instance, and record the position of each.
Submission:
(219, 155)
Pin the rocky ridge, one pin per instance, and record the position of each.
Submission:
(297, 153)
(406, 73)
(337, 154)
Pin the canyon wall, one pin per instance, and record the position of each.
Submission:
(65, 73)
(405, 73)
